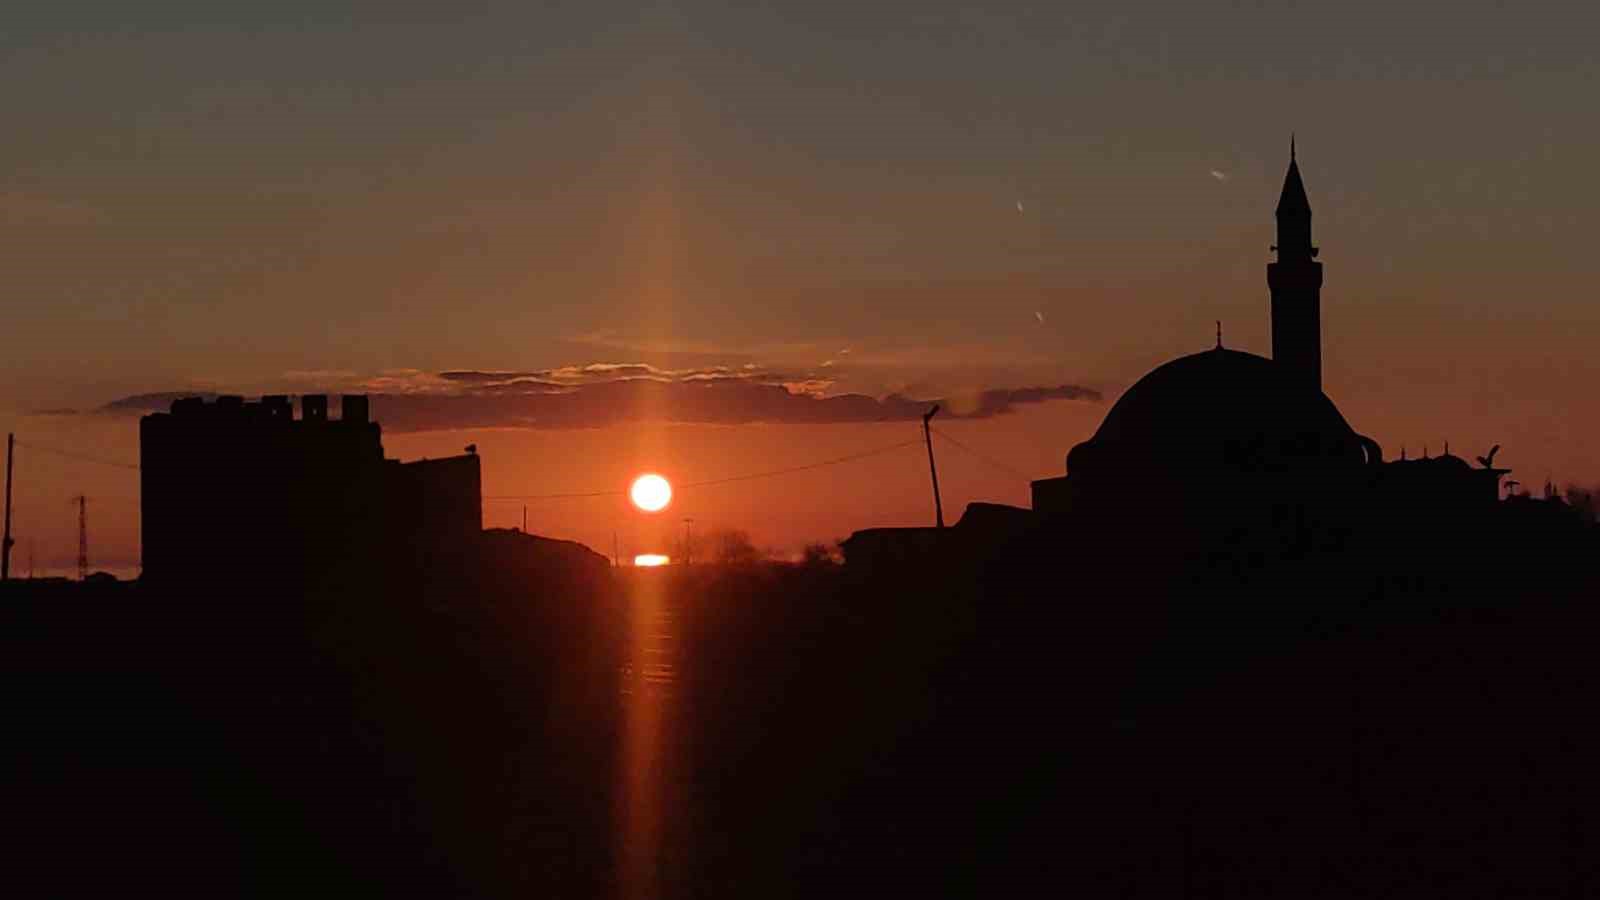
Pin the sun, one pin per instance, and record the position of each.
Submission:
(650, 493)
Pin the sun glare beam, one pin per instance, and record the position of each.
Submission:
(650, 493)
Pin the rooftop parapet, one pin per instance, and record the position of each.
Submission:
(354, 408)
(277, 406)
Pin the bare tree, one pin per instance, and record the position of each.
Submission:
(1586, 501)
(734, 548)
(817, 555)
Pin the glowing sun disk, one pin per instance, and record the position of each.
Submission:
(650, 493)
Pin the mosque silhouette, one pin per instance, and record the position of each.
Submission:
(1224, 439)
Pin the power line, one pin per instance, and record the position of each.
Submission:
(81, 457)
(773, 473)
(583, 496)
(82, 503)
(818, 465)
(985, 458)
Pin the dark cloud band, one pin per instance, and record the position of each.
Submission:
(610, 394)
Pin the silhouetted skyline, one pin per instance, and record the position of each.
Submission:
(966, 201)
(1022, 497)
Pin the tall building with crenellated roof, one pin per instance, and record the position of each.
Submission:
(234, 489)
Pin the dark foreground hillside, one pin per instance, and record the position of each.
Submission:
(1228, 720)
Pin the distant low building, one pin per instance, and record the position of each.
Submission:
(982, 527)
(244, 490)
(878, 547)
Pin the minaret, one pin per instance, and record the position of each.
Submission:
(1296, 283)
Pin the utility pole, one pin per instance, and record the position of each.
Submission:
(83, 536)
(688, 541)
(524, 518)
(927, 435)
(5, 542)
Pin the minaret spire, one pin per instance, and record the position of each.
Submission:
(1296, 283)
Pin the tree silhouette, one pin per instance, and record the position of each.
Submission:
(732, 547)
(817, 555)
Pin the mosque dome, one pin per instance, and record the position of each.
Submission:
(1217, 413)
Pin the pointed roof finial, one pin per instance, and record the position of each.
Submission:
(1219, 334)
(1293, 197)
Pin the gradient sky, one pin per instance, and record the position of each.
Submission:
(248, 196)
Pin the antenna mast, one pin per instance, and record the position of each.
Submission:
(927, 435)
(5, 541)
(83, 536)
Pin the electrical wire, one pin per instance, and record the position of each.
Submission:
(520, 497)
(774, 473)
(81, 457)
(789, 471)
(987, 459)
(583, 495)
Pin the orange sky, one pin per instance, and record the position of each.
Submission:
(238, 196)
(781, 513)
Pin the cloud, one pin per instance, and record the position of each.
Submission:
(505, 382)
(401, 381)
(473, 376)
(602, 394)
(319, 376)
(724, 402)
(29, 210)
(160, 401)
(526, 386)
(605, 371)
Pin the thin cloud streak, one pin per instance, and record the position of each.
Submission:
(715, 395)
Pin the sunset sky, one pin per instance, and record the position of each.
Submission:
(471, 207)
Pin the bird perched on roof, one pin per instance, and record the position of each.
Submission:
(472, 449)
(1488, 461)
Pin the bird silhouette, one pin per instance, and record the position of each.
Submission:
(472, 448)
(1488, 461)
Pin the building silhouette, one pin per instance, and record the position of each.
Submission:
(1224, 432)
(1224, 442)
(234, 489)
(1296, 284)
